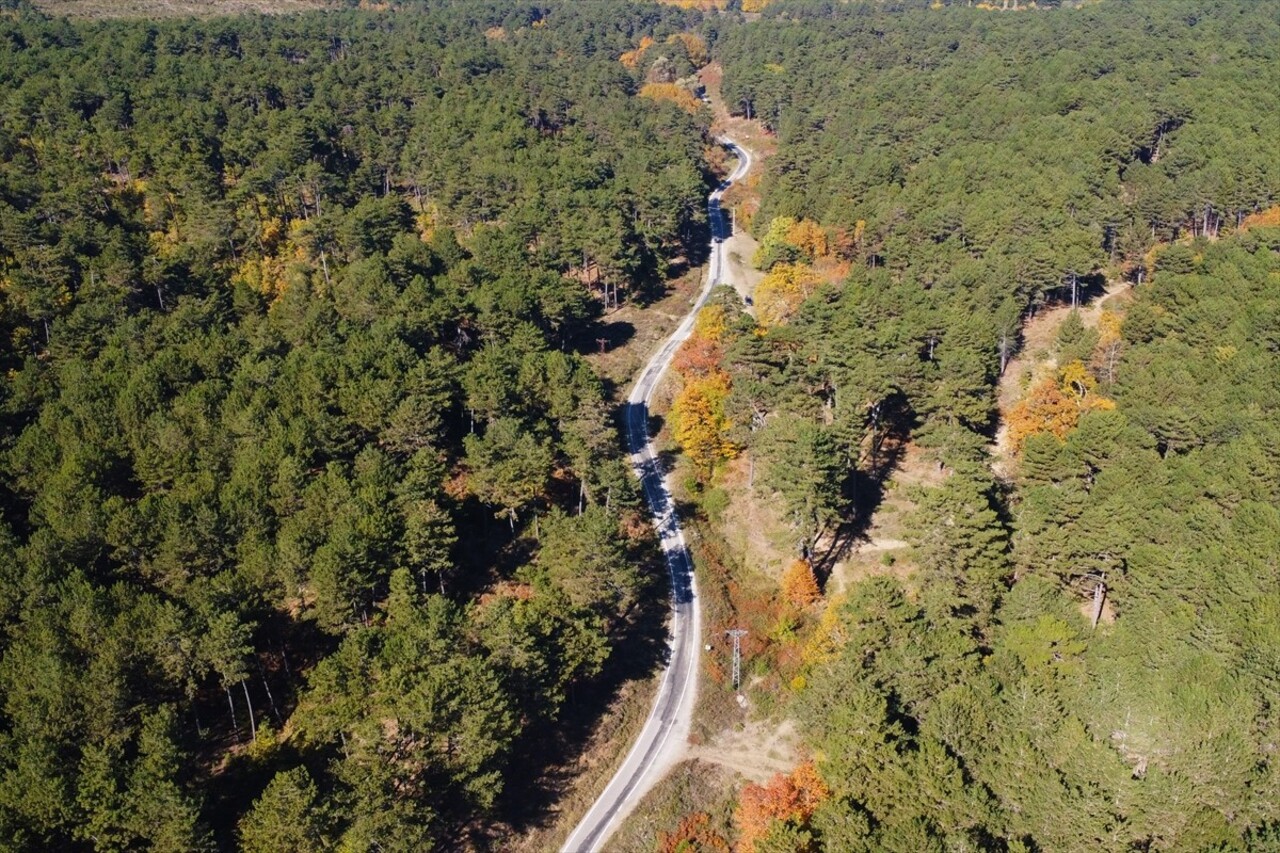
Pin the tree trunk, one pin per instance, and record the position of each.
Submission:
(253, 726)
(235, 727)
(1099, 596)
(275, 712)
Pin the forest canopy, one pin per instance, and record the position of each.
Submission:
(973, 168)
(315, 532)
(313, 516)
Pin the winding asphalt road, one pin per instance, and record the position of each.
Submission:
(666, 732)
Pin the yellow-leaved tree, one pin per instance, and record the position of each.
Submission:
(1269, 218)
(673, 92)
(828, 637)
(699, 421)
(781, 293)
(809, 237)
(711, 323)
(1110, 341)
(695, 48)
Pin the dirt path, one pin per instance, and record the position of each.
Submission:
(756, 751)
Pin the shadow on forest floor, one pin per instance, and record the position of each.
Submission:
(865, 491)
(551, 753)
(603, 336)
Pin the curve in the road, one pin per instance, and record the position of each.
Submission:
(666, 731)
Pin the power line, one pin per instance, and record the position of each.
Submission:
(737, 634)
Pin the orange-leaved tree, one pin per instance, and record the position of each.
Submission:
(799, 584)
(1055, 405)
(791, 798)
(698, 357)
(632, 57)
(701, 353)
(693, 835)
(809, 237)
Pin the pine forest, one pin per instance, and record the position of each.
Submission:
(327, 522)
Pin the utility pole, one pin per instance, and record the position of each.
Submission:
(737, 634)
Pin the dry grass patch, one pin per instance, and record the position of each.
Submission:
(884, 548)
(752, 525)
(645, 327)
(756, 750)
(692, 786)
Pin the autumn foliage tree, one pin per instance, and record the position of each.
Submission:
(694, 835)
(702, 353)
(631, 59)
(781, 293)
(673, 92)
(789, 799)
(1055, 405)
(694, 46)
(1269, 218)
(789, 240)
(809, 237)
(799, 584)
(1110, 343)
(701, 427)
(698, 413)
